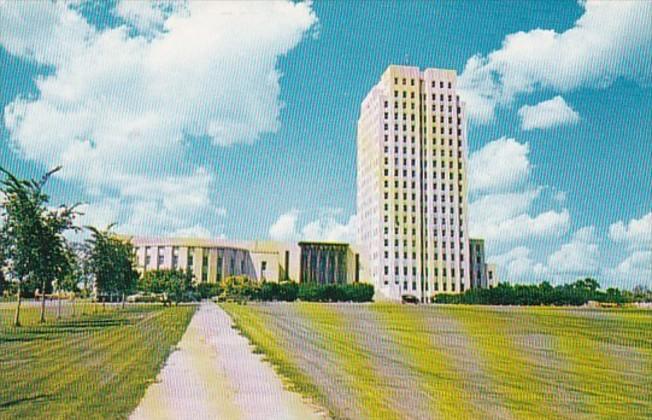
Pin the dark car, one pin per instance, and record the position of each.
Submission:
(409, 299)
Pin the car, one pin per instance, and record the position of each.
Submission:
(410, 299)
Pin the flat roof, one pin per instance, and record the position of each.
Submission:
(307, 243)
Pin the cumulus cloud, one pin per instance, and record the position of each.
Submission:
(551, 113)
(500, 165)
(502, 211)
(524, 227)
(636, 269)
(636, 233)
(518, 265)
(494, 208)
(122, 104)
(285, 227)
(147, 16)
(579, 256)
(324, 228)
(612, 39)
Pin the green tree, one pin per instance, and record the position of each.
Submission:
(176, 285)
(70, 277)
(32, 234)
(111, 261)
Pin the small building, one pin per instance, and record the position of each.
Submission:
(483, 275)
(328, 263)
(477, 264)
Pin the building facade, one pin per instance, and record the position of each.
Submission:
(483, 275)
(492, 275)
(328, 263)
(210, 261)
(412, 185)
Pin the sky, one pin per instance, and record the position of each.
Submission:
(238, 120)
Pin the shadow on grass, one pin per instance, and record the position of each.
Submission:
(60, 329)
(34, 398)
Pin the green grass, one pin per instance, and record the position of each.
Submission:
(361, 379)
(96, 365)
(254, 327)
(531, 362)
(431, 362)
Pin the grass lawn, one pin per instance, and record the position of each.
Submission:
(96, 365)
(459, 361)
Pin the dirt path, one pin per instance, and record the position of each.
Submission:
(215, 375)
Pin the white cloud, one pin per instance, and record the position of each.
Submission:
(169, 206)
(46, 32)
(551, 113)
(502, 210)
(330, 230)
(517, 266)
(285, 227)
(637, 233)
(500, 165)
(524, 227)
(120, 107)
(323, 228)
(147, 16)
(610, 40)
(636, 269)
(579, 256)
(495, 208)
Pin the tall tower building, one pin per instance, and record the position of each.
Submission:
(412, 185)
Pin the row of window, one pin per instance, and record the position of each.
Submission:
(444, 271)
(434, 83)
(414, 256)
(435, 286)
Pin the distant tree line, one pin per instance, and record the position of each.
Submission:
(577, 293)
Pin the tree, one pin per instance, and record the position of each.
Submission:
(112, 263)
(175, 284)
(3, 280)
(32, 234)
(70, 277)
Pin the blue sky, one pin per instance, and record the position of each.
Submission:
(239, 120)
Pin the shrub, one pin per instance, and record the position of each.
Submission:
(176, 284)
(357, 292)
(239, 288)
(208, 290)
